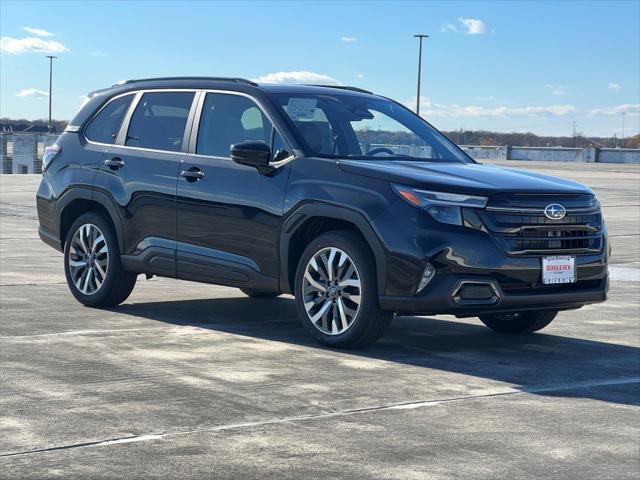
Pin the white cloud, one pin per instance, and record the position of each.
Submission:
(359, 75)
(298, 77)
(16, 46)
(556, 89)
(630, 108)
(473, 26)
(429, 109)
(98, 53)
(32, 92)
(349, 39)
(615, 87)
(38, 32)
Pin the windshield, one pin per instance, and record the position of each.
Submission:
(365, 128)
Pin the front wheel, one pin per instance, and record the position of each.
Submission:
(336, 292)
(523, 322)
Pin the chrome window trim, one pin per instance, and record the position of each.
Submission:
(191, 131)
(198, 116)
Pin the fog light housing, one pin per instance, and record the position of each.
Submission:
(427, 276)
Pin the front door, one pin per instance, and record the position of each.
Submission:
(229, 215)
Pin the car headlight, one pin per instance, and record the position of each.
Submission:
(442, 206)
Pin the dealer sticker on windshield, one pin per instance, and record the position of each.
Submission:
(301, 108)
(558, 269)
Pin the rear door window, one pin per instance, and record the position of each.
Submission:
(106, 124)
(159, 121)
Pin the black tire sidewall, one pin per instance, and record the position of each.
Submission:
(353, 246)
(113, 265)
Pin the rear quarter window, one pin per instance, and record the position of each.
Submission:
(105, 125)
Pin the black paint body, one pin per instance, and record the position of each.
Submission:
(239, 227)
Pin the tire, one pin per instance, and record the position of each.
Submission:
(116, 284)
(259, 293)
(525, 322)
(364, 322)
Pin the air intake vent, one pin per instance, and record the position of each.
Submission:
(475, 293)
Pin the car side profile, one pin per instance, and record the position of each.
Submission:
(347, 200)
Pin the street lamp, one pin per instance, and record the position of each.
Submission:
(50, 57)
(420, 37)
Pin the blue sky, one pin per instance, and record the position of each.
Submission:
(507, 66)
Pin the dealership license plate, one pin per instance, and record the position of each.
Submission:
(558, 269)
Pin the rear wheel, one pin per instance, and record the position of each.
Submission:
(259, 293)
(523, 322)
(92, 263)
(336, 292)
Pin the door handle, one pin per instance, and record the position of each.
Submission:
(114, 163)
(193, 174)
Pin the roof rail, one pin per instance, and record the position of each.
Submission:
(345, 87)
(215, 79)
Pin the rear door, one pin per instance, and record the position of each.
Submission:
(140, 173)
(229, 216)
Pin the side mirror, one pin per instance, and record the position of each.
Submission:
(253, 154)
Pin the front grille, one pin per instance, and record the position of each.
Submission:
(521, 228)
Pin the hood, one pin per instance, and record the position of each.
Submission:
(471, 178)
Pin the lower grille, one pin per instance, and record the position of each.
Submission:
(541, 287)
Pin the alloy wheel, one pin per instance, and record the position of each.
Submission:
(88, 259)
(332, 291)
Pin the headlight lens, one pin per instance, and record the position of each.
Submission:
(442, 206)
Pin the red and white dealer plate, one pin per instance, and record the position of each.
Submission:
(558, 269)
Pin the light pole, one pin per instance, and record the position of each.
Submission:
(420, 37)
(50, 57)
(624, 114)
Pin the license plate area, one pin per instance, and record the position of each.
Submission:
(558, 269)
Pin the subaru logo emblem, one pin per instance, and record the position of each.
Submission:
(555, 211)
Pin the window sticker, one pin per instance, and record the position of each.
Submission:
(301, 108)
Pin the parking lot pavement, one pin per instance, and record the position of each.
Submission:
(196, 380)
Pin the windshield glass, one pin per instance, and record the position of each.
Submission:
(365, 128)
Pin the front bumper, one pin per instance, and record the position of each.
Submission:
(463, 254)
(442, 298)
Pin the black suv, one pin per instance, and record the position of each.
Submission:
(345, 199)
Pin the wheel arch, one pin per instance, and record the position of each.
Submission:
(79, 200)
(310, 220)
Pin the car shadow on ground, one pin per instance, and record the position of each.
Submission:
(526, 361)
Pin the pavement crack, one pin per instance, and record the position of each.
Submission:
(496, 392)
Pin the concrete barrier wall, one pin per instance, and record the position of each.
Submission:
(25, 153)
(553, 154)
(498, 152)
(619, 155)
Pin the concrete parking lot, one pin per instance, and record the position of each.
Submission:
(197, 381)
